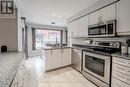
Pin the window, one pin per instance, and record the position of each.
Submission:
(44, 38)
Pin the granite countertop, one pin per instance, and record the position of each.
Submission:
(53, 48)
(120, 55)
(9, 63)
(79, 48)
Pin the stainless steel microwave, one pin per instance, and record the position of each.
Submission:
(103, 30)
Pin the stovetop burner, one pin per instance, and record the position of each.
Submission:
(104, 47)
(105, 50)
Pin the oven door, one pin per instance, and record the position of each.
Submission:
(97, 65)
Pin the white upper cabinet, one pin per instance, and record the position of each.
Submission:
(108, 13)
(79, 27)
(123, 17)
(93, 18)
(103, 15)
(74, 26)
(83, 26)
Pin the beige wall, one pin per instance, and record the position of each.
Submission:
(8, 33)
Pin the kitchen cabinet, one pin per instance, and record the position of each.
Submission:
(56, 58)
(118, 83)
(94, 18)
(79, 27)
(108, 13)
(83, 26)
(103, 15)
(74, 27)
(120, 72)
(66, 57)
(123, 17)
(47, 54)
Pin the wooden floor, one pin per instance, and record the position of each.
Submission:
(34, 76)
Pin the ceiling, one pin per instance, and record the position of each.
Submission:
(47, 11)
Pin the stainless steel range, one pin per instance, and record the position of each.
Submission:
(97, 62)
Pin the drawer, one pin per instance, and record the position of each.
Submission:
(120, 68)
(121, 61)
(118, 83)
(121, 76)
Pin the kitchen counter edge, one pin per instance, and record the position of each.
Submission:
(120, 55)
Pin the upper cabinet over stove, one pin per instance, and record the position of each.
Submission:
(103, 15)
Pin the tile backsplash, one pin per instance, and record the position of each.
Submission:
(121, 39)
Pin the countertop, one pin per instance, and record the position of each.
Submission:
(9, 63)
(54, 48)
(120, 55)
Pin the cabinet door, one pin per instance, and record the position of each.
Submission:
(57, 59)
(108, 13)
(70, 34)
(123, 17)
(118, 83)
(48, 60)
(74, 26)
(93, 18)
(66, 57)
(83, 26)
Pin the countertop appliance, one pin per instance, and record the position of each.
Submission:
(97, 62)
(103, 30)
(77, 59)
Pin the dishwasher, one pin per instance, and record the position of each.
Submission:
(77, 59)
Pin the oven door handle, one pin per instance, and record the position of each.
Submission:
(96, 55)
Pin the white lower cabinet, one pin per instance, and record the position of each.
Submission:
(66, 57)
(118, 83)
(56, 58)
(120, 72)
(47, 56)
